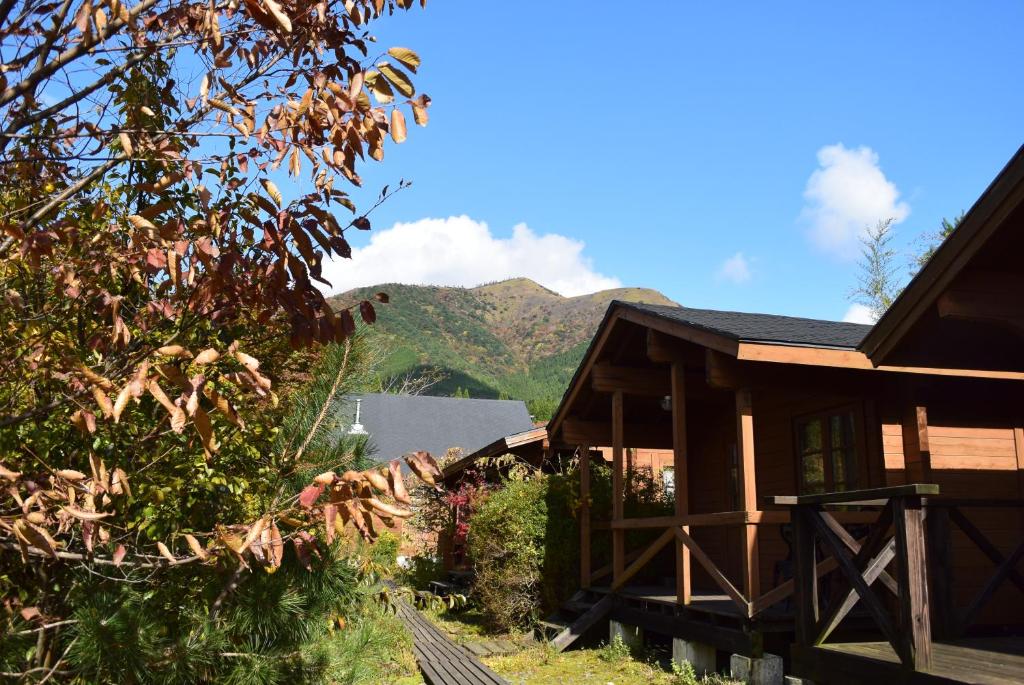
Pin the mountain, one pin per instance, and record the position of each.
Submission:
(512, 338)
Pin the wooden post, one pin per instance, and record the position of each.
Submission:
(584, 451)
(748, 491)
(805, 577)
(682, 489)
(916, 451)
(915, 622)
(618, 491)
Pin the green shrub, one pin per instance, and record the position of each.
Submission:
(683, 674)
(615, 651)
(384, 553)
(523, 542)
(506, 544)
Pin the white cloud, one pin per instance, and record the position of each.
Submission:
(461, 251)
(859, 313)
(846, 194)
(735, 269)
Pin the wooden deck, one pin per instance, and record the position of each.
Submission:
(716, 604)
(441, 661)
(985, 661)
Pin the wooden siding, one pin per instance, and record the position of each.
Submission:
(971, 460)
(892, 452)
(980, 461)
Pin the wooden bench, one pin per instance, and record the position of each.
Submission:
(442, 661)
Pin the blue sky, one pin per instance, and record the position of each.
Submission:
(668, 137)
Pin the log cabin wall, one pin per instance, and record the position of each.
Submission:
(972, 450)
(777, 411)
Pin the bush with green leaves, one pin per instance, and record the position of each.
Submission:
(523, 545)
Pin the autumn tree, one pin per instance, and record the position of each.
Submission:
(172, 177)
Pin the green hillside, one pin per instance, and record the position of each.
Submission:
(512, 339)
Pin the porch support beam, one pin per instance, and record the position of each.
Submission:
(917, 456)
(748, 489)
(585, 559)
(618, 487)
(682, 489)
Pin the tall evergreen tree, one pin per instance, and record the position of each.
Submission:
(934, 240)
(877, 286)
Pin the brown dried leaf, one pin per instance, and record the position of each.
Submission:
(397, 78)
(103, 400)
(398, 482)
(122, 401)
(398, 132)
(197, 549)
(276, 551)
(7, 474)
(377, 480)
(208, 356)
(309, 495)
(35, 536)
(175, 351)
(272, 191)
(83, 515)
(201, 420)
(126, 144)
(388, 510)
(278, 13)
(166, 553)
(407, 57)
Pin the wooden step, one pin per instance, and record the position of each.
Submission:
(583, 623)
(578, 606)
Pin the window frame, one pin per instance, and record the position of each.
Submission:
(861, 472)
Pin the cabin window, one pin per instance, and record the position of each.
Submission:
(668, 480)
(827, 452)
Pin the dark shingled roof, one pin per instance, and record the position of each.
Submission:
(399, 424)
(767, 328)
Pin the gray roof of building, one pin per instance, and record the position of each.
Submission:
(767, 328)
(399, 424)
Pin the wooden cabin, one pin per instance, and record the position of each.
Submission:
(806, 456)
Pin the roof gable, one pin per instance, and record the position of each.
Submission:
(989, 237)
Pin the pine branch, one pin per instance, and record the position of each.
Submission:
(328, 401)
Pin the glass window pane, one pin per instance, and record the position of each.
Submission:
(812, 463)
(844, 453)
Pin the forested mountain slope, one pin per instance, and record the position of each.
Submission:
(513, 338)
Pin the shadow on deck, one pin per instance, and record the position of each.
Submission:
(986, 661)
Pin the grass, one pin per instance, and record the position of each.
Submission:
(540, 664)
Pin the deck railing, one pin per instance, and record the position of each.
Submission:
(748, 601)
(900, 511)
(943, 515)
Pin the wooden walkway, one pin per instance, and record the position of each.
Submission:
(442, 661)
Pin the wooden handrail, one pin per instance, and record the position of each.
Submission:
(726, 518)
(870, 497)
